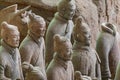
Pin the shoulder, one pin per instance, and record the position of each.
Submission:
(3, 55)
(26, 48)
(26, 44)
(3, 51)
(52, 67)
(52, 72)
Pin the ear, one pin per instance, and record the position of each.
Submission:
(9, 9)
(56, 39)
(4, 25)
(19, 12)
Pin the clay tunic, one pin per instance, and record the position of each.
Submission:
(59, 70)
(10, 63)
(85, 60)
(33, 51)
(57, 26)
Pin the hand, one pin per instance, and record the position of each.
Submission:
(35, 74)
(27, 67)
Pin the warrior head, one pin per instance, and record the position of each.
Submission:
(66, 9)
(62, 47)
(10, 34)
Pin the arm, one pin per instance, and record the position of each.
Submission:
(26, 55)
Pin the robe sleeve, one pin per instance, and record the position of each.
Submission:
(2, 69)
(26, 55)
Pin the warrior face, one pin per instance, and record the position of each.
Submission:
(69, 13)
(13, 39)
(10, 34)
(84, 36)
(82, 32)
(63, 47)
(38, 29)
(37, 25)
(66, 52)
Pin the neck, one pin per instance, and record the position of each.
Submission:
(80, 46)
(58, 57)
(60, 17)
(36, 39)
(7, 47)
(32, 34)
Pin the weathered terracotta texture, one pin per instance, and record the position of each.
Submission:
(108, 50)
(32, 48)
(61, 24)
(85, 59)
(61, 67)
(10, 60)
(94, 12)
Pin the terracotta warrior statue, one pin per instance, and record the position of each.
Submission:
(61, 67)
(107, 48)
(61, 24)
(85, 58)
(10, 60)
(32, 48)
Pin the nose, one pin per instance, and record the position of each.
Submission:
(42, 29)
(89, 36)
(18, 38)
(71, 52)
(71, 13)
